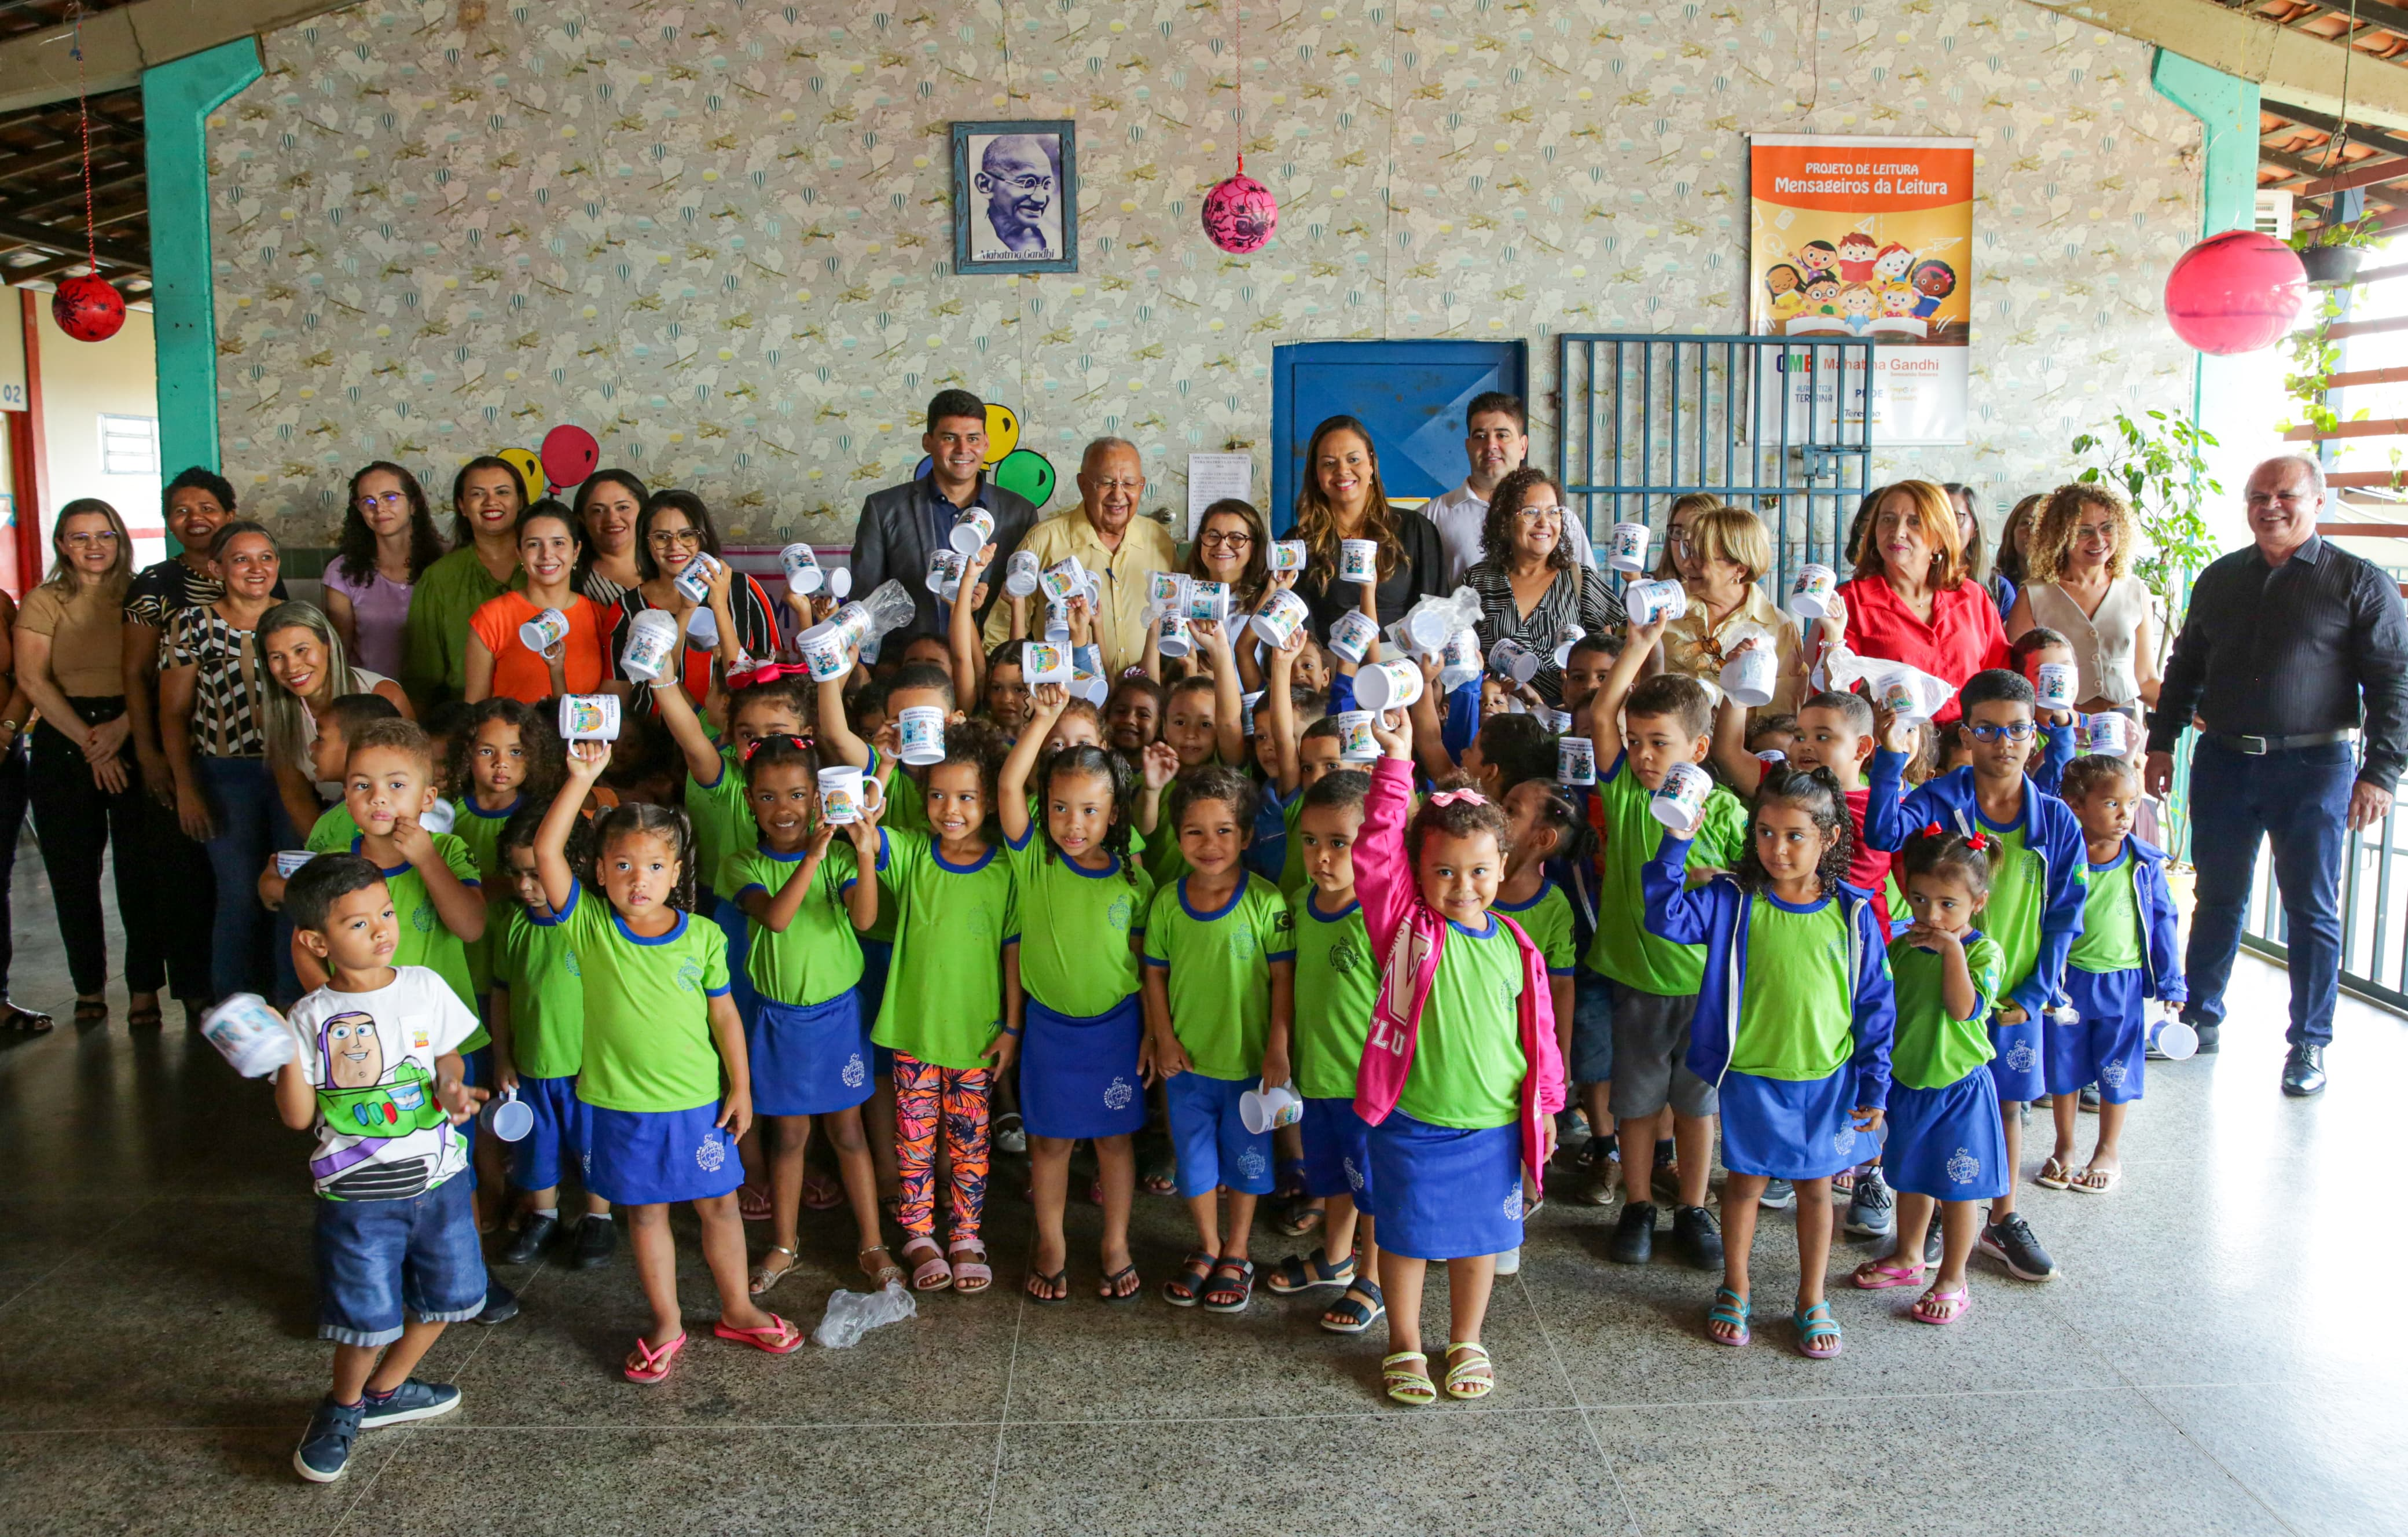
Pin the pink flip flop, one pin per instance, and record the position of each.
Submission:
(777, 1338)
(649, 1366)
(1880, 1275)
(1922, 1314)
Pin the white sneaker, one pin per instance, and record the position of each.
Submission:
(1509, 1263)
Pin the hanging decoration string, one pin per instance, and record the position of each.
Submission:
(83, 111)
(1237, 7)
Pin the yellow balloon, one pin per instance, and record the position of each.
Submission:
(530, 470)
(1002, 432)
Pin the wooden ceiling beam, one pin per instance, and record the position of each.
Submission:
(71, 243)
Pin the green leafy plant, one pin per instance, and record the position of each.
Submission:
(2157, 465)
(2314, 358)
(2356, 233)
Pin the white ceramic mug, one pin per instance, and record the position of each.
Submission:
(847, 795)
(544, 631)
(702, 629)
(1390, 686)
(1267, 1107)
(1288, 556)
(803, 574)
(651, 643)
(1647, 601)
(1208, 602)
(1749, 676)
(250, 1035)
(2053, 686)
(826, 650)
(1513, 661)
(1168, 590)
(1176, 641)
(1358, 560)
(2110, 734)
(1043, 662)
(839, 581)
(1629, 548)
(1356, 744)
(972, 530)
(587, 717)
(509, 1117)
(694, 578)
(1811, 594)
(1898, 696)
(1575, 761)
(289, 861)
(1063, 581)
(1680, 801)
(1283, 614)
(1021, 573)
(1351, 634)
(1565, 639)
(922, 730)
(945, 573)
(2173, 1037)
(1057, 624)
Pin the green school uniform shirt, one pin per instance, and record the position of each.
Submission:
(2110, 940)
(2019, 898)
(1074, 927)
(1293, 879)
(1797, 1003)
(818, 955)
(944, 993)
(723, 823)
(1336, 980)
(1623, 948)
(1547, 918)
(1467, 1063)
(482, 832)
(648, 1045)
(1220, 971)
(907, 811)
(536, 965)
(1933, 1049)
(424, 941)
(334, 832)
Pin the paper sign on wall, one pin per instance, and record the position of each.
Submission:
(1211, 476)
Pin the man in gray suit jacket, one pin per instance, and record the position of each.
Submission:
(903, 523)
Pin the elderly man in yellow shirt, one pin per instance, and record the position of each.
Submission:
(1123, 549)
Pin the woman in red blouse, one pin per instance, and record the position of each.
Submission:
(1913, 600)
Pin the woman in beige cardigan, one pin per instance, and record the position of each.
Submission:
(2080, 584)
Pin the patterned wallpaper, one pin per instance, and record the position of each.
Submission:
(716, 233)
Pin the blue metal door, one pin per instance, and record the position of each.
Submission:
(1410, 394)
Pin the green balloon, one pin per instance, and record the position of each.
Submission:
(1028, 473)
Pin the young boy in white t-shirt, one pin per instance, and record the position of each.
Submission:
(378, 1079)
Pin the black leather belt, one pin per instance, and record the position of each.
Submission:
(2257, 747)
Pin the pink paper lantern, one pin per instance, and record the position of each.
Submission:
(1239, 214)
(2233, 293)
(88, 308)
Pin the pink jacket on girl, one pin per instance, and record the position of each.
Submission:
(1412, 936)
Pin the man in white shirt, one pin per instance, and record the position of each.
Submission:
(1497, 438)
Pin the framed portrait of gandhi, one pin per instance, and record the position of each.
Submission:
(1015, 197)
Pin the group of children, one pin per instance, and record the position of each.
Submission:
(1370, 982)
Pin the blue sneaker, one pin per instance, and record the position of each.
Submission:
(1870, 1207)
(325, 1448)
(412, 1399)
(1779, 1196)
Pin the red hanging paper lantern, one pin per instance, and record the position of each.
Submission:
(2233, 293)
(1239, 214)
(88, 308)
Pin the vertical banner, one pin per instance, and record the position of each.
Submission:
(1866, 237)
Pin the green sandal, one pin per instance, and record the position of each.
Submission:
(1815, 1324)
(1412, 1388)
(1474, 1376)
(1732, 1309)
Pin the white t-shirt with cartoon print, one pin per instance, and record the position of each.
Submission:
(382, 1136)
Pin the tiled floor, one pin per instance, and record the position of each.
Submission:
(2220, 1356)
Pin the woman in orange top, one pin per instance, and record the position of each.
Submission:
(498, 661)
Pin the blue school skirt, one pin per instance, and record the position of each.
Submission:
(1446, 1193)
(563, 1124)
(1948, 1142)
(2018, 1069)
(647, 1158)
(1790, 1129)
(1078, 1075)
(2108, 1044)
(808, 1059)
(738, 929)
(1336, 1151)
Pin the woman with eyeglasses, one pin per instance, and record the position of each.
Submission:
(1342, 498)
(2015, 551)
(486, 499)
(1730, 551)
(1531, 588)
(675, 527)
(1913, 599)
(1678, 562)
(2081, 586)
(387, 542)
(1232, 546)
(607, 507)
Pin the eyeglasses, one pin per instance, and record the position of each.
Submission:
(1025, 184)
(670, 538)
(1541, 514)
(1216, 540)
(389, 500)
(2011, 731)
(104, 536)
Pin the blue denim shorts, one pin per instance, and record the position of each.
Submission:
(379, 1258)
(1592, 1028)
(1215, 1146)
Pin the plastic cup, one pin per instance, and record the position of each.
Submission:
(1281, 615)
(1629, 549)
(1748, 678)
(2173, 1039)
(1390, 686)
(589, 717)
(972, 530)
(694, 578)
(1811, 594)
(922, 728)
(1356, 744)
(1359, 560)
(1208, 602)
(1288, 556)
(846, 795)
(1043, 662)
(1648, 601)
(544, 631)
(1352, 633)
(289, 861)
(439, 818)
(1511, 660)
(1063, 581)
(803, 574)
(1575, 761)
(652, 642)
(1021, 573)
(1176, 639)
(2055, 684)
(1680, 801)
(827, 650)
(509, 1117)
(1270, 1106)
(250, 1035)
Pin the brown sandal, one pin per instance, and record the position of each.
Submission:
(881, 1276)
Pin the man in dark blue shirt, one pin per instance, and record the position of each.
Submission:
(903, 523)
(2287, 646)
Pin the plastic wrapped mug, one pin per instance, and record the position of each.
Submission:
(1356, 744)
(1749, 677)
(1063, 581)
(1267, 1107)
(826, 650)
(1359, 560)
(1513, 661)
(1208, 602)
(694, 578)
(1283, 614)
(1647, 601)
(922, 730)
(544, 631)
(1390, 686)
(1459, 661)
(1575, 761)
(1176, 640)
(1020, 573)
(250, 1035)
(652, 642)
(1351, 634)
(1288, 556)
(2053, 686)
(589, 717)
(802, 566)
(973, 529)
(846, 796)
(507, 1116)
(1042, 662)
(1629, 552)
(1680, 801)
(1811, 594)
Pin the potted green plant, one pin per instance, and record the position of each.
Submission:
(2332, 250)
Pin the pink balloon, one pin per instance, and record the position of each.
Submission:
(569, 455)
(2233, 293)
(1239, 215)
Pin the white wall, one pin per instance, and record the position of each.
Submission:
(81, 382)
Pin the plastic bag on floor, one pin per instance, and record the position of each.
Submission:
(852, 1314)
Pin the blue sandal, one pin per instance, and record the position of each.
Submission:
(1729, 1308)
(1357, 1311)
(1308, 1273)
(1815, 1324)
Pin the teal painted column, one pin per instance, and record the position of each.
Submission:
(176, 101)
(2226, 107)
